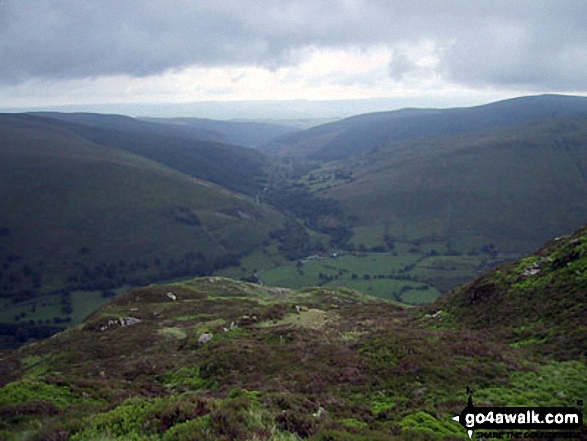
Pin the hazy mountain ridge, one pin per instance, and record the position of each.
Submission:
(213, 358)
(128, 124)
(245, 133)
(361, 133)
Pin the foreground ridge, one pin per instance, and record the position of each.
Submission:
(213, 358)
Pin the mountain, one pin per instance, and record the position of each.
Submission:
(508, 188)
(124, 123)
(245, 133)
(361, 133)
(212, 358)
(178, 146)
(81, 215)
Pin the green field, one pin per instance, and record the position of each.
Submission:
(48, 309)
(404, 277)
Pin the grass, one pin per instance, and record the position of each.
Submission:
(49, 307)
(368, 235)
(109, 219)
(422, 422)
(348, 366)
(517, 299)
(400, 274)
(446, 187)
(380, 275)
(173, 333)
(310, 319)
(550, 385)
(26, 390)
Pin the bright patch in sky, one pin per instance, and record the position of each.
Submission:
(88, 52)
(324, 74)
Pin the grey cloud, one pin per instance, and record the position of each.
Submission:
(401, 66)
(533, 42)
(547, 49)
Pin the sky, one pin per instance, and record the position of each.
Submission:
(236, 58)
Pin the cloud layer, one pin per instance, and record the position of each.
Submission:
(534, 44)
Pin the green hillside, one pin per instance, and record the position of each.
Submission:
(188, 149)
(216, 359)
(510, 189)
(80, 216)
(538, 301)
(92, 203)
(418, 217)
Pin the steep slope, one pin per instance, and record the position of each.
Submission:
(212, 358)
(358, 134)
(77, 214)
(510, 189)
(238, 168)
(539, 302)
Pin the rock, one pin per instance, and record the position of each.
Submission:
(531, 271)
(247, 320)
(205, 338)
(435, 315)
(321, 413)
(122, 321)
(128, 321)
(299, 308)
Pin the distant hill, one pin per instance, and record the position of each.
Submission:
(191, 150)
(359, 134)
(245, 133)
(212, 358)
(135, 125)
(509, 188)
(79, 215)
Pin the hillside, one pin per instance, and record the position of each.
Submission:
(190, 150)
(213, 358)
(418, 217)
(135, 125)
(81, 216)
(512, 188)
(538, 301)
(361, 133)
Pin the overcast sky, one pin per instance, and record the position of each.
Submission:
(419, 52)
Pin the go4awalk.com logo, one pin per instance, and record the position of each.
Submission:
(560, 422)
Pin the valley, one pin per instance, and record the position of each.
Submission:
(293, 220)
(155, 285)
(93, 205)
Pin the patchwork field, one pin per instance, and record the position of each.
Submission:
(412, 278)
